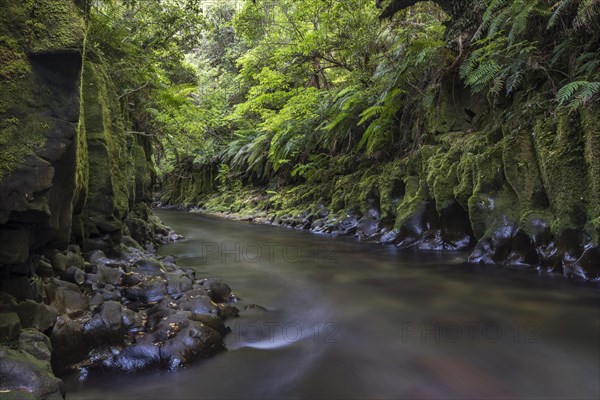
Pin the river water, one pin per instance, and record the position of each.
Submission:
(360, 320)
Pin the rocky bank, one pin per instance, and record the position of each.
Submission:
(80, 288)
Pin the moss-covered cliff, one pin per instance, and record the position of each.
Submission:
(71, 170)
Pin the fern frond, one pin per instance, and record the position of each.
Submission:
(559, 8)
(577, 93)
(514, 81)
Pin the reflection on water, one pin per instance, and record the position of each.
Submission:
(357, 320)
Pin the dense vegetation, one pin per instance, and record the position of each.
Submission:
(291, 92)
(443, 118)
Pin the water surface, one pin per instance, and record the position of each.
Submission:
(359, 320)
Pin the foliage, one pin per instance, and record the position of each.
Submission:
(505, 51)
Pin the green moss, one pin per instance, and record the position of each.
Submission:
(591, 132)
(13, 61)
(54, 24)
(559, 146)
(414, 201)
(116, 164)
(19, 137)
(29, 26)
(391, 187)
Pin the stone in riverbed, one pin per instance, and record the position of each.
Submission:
(178, 282)
(151, 289)
(227, 311)
(106, 325)
(212, 322)
(68, 343)
(143, 354)
(218, 290)
(148, 266)
(588, 265)
(198, 305)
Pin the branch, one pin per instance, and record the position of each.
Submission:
(451, 7)
(133, 90)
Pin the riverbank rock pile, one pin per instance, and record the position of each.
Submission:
(88, 312)
(509, 245)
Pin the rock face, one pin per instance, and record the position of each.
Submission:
(70, 171)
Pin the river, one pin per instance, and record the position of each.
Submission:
(359, 320)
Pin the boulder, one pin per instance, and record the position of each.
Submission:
(218, 290)
(10, 327)
(36, 315)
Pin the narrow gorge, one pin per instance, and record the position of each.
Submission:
(463, 132)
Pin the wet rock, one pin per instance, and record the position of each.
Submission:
(109, 274)
(74, 275)
(317, 225)
(27, 377)
(103, 244)
(68, 300)
(148, 266)
(522, 251)
(95, 256)
(178, 282)
(75, 260)
(151, 289)
(191, 341)
(212, 322)
(389, 237)
(59, 262)
(218, 290)
(227, 311)
(198, 305)
(494, 248)
(588, 265)
(108, 295)
(368, 225)
(346, 226)
(106, 325)
(170, 259)
(131, 279)
(322, 212)
(254, 307)
(10, 327)
(35, 343)
(68, 343)
(143, 354)
(36, 315)
(482, 253)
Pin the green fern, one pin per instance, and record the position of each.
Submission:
(577, 93)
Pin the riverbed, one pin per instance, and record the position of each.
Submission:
(347, 319)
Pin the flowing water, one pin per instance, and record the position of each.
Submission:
(360, 320)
